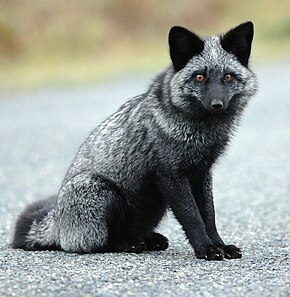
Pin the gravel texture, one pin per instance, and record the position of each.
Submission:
(39, 134)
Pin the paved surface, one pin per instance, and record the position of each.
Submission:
(39, 134)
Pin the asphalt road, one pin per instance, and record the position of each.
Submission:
(39, 134)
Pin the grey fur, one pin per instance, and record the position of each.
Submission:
(158, 134)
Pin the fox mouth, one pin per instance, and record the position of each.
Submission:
(216, 111)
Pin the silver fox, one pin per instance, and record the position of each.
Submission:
(156, 152)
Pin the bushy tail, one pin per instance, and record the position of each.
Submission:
(32, 215)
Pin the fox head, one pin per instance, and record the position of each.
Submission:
(211, 75)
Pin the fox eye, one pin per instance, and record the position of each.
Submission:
(199, 77)
(228, 77)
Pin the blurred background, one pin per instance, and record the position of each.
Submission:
(72, 42)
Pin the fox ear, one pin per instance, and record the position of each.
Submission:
(183, 45)
(238, 41)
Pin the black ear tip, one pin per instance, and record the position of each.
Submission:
(249, 26)
(249, 23)
(176, 30)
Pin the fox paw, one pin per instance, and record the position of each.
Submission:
(152, 242)
(231, 252)
(212, 252)
(156, 242)
(133, 247)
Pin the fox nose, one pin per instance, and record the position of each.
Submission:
(217, 105)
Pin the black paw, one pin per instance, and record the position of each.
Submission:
(156, 242)
(212, 253)
(133, 247)
(232, 252)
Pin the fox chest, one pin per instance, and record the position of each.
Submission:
(196, 150)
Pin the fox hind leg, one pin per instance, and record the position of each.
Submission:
(83, 208)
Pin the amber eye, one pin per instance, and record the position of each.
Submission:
(200, 77)
(228, 77)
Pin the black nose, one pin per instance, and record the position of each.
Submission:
(217, 105)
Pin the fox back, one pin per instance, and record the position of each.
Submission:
(155, 152)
